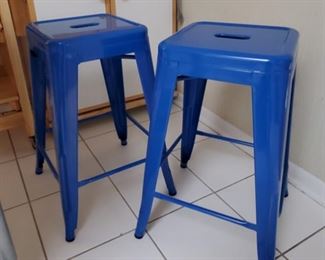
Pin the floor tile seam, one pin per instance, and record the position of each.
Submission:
(123, 198)
(7, 161)
(239, 147)
(303, 240)
(195, 175)
(234, 183)
(14, 207)
(104, 133)
(196, 142)
(156, 245)
(280, 253)
(11, 146)
(179, 208)
(306, 194)
(132, 125)
(216, 192)
(281, 256)
(28, 199)
(109, 179)
(232, 208)
(45, 196)
(114, 130)
(101, 244)
(210, 188)
(216, 132)
(47, 149)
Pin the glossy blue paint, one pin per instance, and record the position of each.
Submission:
(263, 57)
(57, 47)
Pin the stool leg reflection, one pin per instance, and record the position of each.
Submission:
(39, 105)
(284, 191)
(63, 73)
(165, 87)
(193, 97)
(146, 72)
(268, 95)
(113, 74)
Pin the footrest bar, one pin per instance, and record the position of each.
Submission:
(49, 163)
(181, 78)
(172, 147)
(137, 124)
(128, 57)
(224, 138)
(206, 211)
(110, 173)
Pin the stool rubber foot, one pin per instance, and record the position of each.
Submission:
(124, 142)
(39, 170)
(183, 165)
(286, 194)
(69, 240)
(138, 237)
(172, 193)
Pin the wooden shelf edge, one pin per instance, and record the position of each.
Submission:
(100, 109)
(130, 103)
(16, 63)
(11, 120)
(8, 91)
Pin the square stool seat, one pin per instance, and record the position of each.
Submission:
(263, 57)
(232, 46)
(87, 35)
(56, 49)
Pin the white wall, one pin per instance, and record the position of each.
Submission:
(233, 103)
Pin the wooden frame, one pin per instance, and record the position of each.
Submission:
(25, 115)
(131, 102)
(18, 24)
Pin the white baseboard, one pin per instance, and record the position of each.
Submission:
(307, 183)
(298, 177)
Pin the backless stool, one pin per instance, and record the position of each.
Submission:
(57, 47)
(263, 57)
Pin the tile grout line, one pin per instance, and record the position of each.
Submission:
(178, 208)
(304, 240)
(7, 161)
(16, 206)
(251, 156)
(280, 254)
(114, 130)
(101, 244)
(118, 191)
(11, 146)
(28, 198)
(156, 245)
(216, 132)
(45, 196)
(236, 182)
(305, 194)
(213, 191)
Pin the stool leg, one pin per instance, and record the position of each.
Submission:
(146, 72)
(64, 98)
(113, 74)
(193, 98)
(164, 91)
(284, 188)
(269, 95)
(39, 105)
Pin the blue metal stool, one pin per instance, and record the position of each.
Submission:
(261, 56)
(56, 49)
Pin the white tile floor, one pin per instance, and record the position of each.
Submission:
(219, 176)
